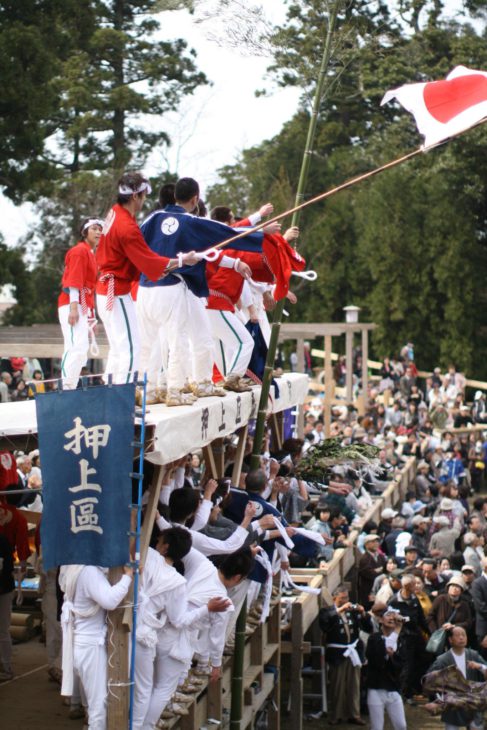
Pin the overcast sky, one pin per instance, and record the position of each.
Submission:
(207, 133)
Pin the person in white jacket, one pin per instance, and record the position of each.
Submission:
(164, 616)
(87, 597)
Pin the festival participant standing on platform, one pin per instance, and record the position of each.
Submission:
(176, 301)
(87, 597)
(233, 341)
(76, 303)
(121, 255)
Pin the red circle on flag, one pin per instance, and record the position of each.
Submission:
(446, 99)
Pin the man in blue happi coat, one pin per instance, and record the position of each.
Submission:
(172, 310)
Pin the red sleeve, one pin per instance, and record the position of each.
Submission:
(244, 223)
(75, 274)
(21, 536)
(141, 256)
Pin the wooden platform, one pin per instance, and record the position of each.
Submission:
(172, 432)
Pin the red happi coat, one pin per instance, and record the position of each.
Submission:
(79, 273)
(123, 252)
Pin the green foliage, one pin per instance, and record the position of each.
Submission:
(84, 98)
(87, 83)
(408, 246)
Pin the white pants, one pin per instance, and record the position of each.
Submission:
(177, 319)
(167, 672)
(90, 663)
(123, 337)
(144, 682)
(233, 342)
(200, 339)
(76, 345)
(380, 701)
(5, 640)
(162, 313)
(53, 627)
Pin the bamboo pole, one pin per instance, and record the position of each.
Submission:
(322, 196)
(237, 670)
(303, 177)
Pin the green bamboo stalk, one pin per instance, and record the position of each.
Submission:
(237, 670)
(303, 177)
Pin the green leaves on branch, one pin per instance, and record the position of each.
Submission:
(320, 458)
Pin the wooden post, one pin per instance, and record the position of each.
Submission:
(349, 364)
(300, 354)
(239, 455)
(146, 532)
(276, 425)
(151, 510)
(301, 369)
(328, 386)
(297, 666)
(218, 448)
(118, 664)
(210, 462)
(365, 370)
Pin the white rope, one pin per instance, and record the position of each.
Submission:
(210, 255)
(308, 275)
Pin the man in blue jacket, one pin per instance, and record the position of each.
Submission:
(173, 306)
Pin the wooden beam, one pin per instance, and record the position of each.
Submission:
(296, 666)
(328, 387)
(239, 455)
(365, 367)
(209, 459)
(118, 664)
(301, 369)
(146, 531)
(276, 425)
(349, 365)
(218, 449)
(151, 510)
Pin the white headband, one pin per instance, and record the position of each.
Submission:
(143, 187)
(92, 222)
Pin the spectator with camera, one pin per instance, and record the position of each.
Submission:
(385, 654)
(341, 624)
(415, 629)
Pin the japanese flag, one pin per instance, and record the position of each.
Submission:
(443, 109)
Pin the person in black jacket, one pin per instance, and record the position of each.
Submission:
(415, 627)
(385, 654)
(344, 654)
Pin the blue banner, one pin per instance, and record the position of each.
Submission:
(86, 449)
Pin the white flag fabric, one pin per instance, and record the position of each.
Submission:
(443, 109)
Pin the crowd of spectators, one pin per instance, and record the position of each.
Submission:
(422, 567)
